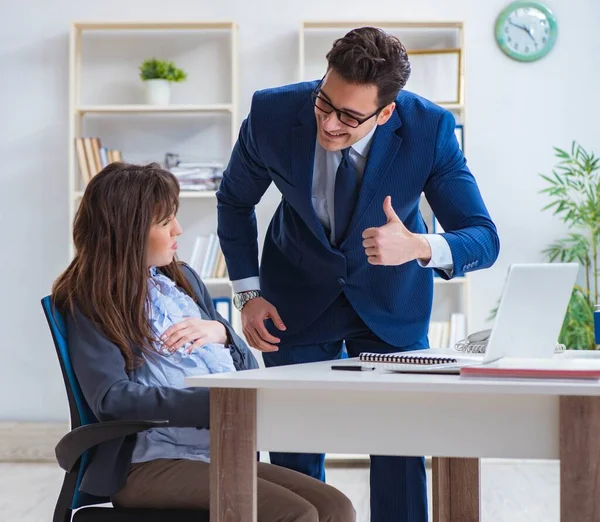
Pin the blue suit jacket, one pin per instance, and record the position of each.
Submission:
(301, 274)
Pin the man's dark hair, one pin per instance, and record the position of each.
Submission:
(368, 55)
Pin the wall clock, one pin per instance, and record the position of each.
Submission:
(526, 30)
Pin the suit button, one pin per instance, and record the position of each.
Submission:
(341, 281)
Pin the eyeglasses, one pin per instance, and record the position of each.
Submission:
(324, 106)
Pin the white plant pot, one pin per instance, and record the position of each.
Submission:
(158, 92)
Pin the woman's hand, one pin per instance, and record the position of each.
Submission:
(195, 330)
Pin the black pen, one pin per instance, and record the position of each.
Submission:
(351, 368)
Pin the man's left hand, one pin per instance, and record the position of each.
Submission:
(393, 244)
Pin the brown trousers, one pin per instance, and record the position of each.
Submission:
(283, 495)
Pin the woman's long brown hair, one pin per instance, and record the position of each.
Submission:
(107, 279)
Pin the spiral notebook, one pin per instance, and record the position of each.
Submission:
(420, 361)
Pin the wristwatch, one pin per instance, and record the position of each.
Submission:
(240, 299)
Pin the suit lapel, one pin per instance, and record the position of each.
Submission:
(303, 139)
(383, 151)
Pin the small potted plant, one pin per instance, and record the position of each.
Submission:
(158, 76)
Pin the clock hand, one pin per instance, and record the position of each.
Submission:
(517, 25)
(530, 33)
(524, 28)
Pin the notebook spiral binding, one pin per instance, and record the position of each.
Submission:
(405, 359)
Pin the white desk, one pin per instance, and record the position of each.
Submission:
(310, 408)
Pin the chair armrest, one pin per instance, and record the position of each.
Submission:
(75, 443)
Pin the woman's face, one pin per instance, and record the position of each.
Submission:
(162, 245)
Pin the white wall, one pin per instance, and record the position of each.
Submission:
(515, 114)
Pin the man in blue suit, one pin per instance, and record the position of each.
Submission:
(347, 256)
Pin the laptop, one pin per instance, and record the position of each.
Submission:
(530, 315)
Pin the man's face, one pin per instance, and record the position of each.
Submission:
(359, 101)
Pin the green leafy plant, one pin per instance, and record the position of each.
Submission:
(574, 189)
(153, 69)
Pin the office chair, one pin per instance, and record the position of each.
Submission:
(73, 450)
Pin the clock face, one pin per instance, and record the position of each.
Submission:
(526, 31)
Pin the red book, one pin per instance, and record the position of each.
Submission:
(555, 368)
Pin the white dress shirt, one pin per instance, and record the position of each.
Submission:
(323, 188)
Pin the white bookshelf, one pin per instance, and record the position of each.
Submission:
(106, 99)
(434, 47)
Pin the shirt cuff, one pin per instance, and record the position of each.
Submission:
(441, 255)
(243, 285)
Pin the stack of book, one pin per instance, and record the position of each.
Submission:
(92, 157)
(445, 334)
(207, 258)
(198, 175)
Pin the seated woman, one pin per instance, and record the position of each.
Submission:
(138, 322)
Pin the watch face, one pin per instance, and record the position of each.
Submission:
(526, 31)
(237, 302)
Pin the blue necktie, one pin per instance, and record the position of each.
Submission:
(346, 192)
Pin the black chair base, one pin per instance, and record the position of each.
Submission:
(107, 514)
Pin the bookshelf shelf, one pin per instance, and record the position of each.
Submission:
(207, 194)
(107, 109)
(455, 281)
(452, 106)
(215, 281)
(384, 24)
(148, 26)
(187, 194)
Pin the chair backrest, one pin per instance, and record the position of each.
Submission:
(80, 412)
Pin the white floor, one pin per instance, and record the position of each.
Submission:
(511, 491)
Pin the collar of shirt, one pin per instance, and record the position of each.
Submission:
(363, 145)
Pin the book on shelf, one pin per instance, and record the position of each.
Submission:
(445, 334)
(207, 259)
(458, 328)
(92, 157)
(223, 306)
(84, 170)
(198, 176)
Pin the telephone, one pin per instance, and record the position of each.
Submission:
(477, 342)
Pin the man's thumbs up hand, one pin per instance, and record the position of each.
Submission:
(389, 211)
(393, 244)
